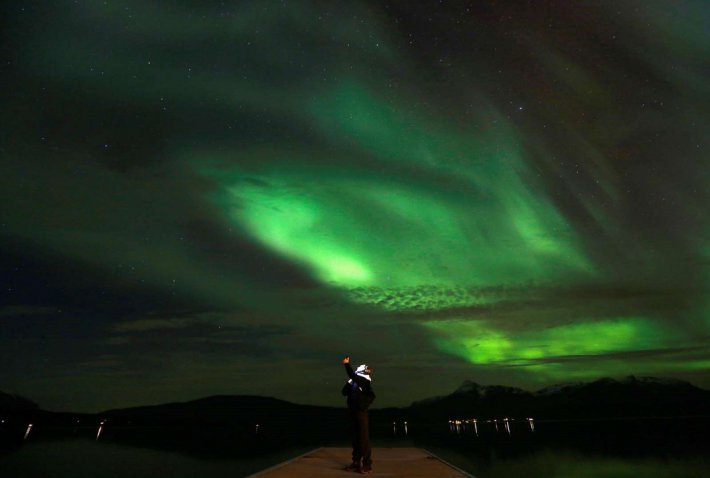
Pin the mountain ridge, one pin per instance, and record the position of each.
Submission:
(10, 402)
(604, 397)
(630, 396)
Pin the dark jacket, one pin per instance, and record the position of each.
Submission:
(358, 390)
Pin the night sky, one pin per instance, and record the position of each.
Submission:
(201, 197)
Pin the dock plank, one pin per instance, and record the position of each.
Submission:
(387, 462)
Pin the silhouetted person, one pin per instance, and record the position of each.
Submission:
(358, 389)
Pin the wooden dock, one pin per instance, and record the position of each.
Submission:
(387, 462)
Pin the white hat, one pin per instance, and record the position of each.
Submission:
(364, 371)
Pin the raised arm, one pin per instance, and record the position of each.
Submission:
(348, 368)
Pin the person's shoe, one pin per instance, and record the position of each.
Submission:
(365, 470)
(352, 467)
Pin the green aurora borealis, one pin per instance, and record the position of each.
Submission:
(197, 196)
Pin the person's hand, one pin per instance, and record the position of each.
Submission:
(346, 360)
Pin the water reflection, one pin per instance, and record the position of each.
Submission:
(556, 448)
(458, 426)
(81, 458)
(592, 448)
(405, 428)
(101, 428)
(561, 464)
(531, 422)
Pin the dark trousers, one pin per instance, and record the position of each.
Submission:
(360, 429)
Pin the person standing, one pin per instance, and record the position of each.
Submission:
(358, 389)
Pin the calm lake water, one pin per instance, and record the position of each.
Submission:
(600, 449)
(89, 459)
